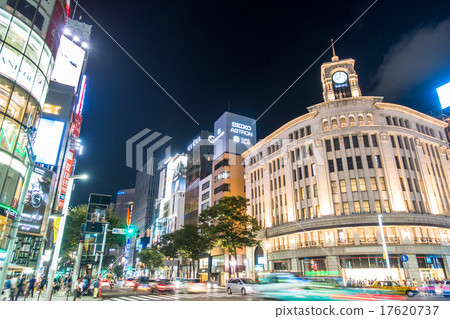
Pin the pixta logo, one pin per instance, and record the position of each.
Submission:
(145, 140)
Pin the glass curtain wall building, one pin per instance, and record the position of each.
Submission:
(27, 46)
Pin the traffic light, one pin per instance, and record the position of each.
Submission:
(137, 233)
(130, 231)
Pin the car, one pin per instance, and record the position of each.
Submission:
(144, 283)
(391, 287)
(445, 288)
(241, 285)
(211, 284)
(129, 282)
(165, 285)
(193, 285)
(104, 283)
(178, 282)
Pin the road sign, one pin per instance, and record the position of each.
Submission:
(119, 231)
(406, 265)
(404, 258)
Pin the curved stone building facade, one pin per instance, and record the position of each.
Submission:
(318, 184)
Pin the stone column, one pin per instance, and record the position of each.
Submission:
(295, 266)
(333, 263)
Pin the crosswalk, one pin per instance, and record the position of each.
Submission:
(167, 297)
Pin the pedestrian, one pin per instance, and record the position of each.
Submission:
(31, 284)
(14, 282)
(7, 290)
(21, 286)
(96, 287)
(414, 282)
(78, 289)
(85, 284)
(43, 284)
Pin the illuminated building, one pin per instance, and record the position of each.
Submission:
(233, 134)
(318, 183)
(29, 35)
(125, 198)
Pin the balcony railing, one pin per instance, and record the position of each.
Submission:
(346, 242)
(368, 241)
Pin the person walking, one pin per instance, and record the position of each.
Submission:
(42, 284)
(31, 284)
(21, 286)
(7, 290)
(14, 282)
(96, 287)
(78, 289)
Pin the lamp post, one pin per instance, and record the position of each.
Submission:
(54, 265)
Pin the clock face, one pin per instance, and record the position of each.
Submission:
(340, 77)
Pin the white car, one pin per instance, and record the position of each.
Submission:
(445, 288)
(241, 285)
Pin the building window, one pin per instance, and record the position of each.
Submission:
(334, 188)
(205, 196)
(328, 145)
(343, 122)
(362, 184)
(337, 209)
(397, 162)
(347, 142)
(300, 175)
(313, 169)
(308, 192)
(343, 186)
(387, 207)
(337, 147)
(366, 206)
(360, 120)
(393, 142)
(399, 140)
(402, 184)
(350, 163)
(373, 182)
(388, 120)
(346, 208)
(377, 206)
(306, 171)
(205, 186)
(411, 163)
(316, 191)
(357, 206)
(351, 120)
(331, 165)
(355, 141)
(374, 141)
(353, 184)
(369, 161)
(339, 164)
(366, 140)
(308, 130)
(358, 162)
(302, 193)
(378, 161)
(222, 188)
(325, 125)
(383, 184)
(334, 124)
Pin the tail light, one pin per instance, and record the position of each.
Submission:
(160, 286)
(172, 286)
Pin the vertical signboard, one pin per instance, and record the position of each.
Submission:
(65, 180)
(37, 201)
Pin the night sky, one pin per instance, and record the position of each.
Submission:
(246, 53)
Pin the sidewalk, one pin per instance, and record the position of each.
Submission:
(60, 296)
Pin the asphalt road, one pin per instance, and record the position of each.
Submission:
(219, 294)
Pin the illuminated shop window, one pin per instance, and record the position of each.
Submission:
(17, 35)
(13, 58)
(34, 47)
(17, 103)
(5, 91)
(5, 19)
(8, 135)
(31, 113)
(9, 188)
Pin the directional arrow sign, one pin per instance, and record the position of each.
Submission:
(119, 231)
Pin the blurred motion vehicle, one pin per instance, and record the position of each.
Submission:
(445, 288)
(193, 285)
(241, 285)
(129, 282)
(391, 287)
(211, 284)
(164, 285)
(104, 282)
(178, 282)
(144, 283)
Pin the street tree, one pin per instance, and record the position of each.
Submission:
(229, 225)
(77, 216)
(151, 258)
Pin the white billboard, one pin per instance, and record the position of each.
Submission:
(48, 140)
(444, 95)
(68, 63)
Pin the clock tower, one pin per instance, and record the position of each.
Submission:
(339, 79)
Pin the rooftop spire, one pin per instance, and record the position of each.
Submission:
(335, 57)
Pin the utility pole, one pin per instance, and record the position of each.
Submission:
(76, 267)
(15, 224)
(103, 250)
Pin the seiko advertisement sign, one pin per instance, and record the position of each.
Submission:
(233, 134)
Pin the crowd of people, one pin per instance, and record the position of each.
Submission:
(18, 285)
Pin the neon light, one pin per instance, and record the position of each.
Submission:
(67, 10)
(79, 108)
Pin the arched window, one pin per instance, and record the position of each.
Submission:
(343, 121)
(369, 119)
(360, 120)
(325, 125)
(334, 123)
(351, 120)
(407, 123)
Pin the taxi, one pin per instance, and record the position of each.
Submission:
(391, 287)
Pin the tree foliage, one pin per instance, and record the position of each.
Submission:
(77, 216)
(229, 225)
(151, 258)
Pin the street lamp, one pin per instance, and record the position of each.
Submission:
(59, 239)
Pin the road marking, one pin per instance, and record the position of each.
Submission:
(140, 298)
(126, 298)
(151, 297)
(115, 299)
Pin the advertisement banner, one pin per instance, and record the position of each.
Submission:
(56, 223)
(68, 63)
(57, 20)
(37, 201)
(48, 141)
(66, 175)
(76, 126)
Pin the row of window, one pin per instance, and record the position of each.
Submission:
(354, 185)
(302, 132)
(222, 188)
(351, 164)
(343, 121)
(405, 123)
(354, 140)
